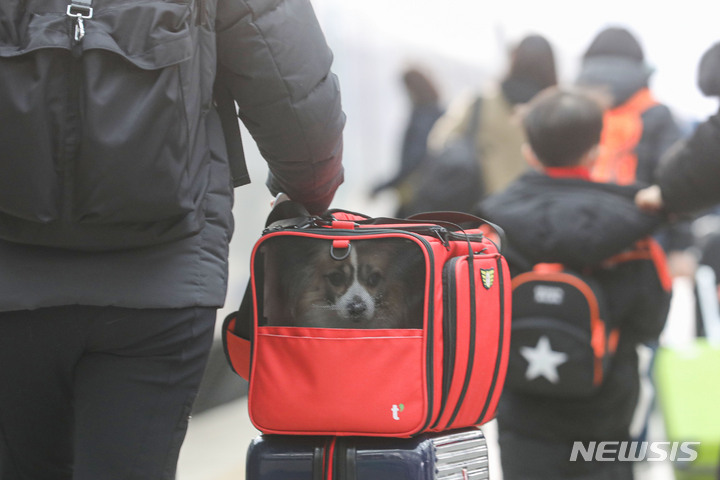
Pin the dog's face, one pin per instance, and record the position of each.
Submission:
(350, 289)
(373, 284)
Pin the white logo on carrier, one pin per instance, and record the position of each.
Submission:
(396, 409)
(549, 295)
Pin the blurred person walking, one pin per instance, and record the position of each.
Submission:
(614, 64)
(105, 326)
(425, 109)
(688, 177)
(499, 134)
(637, 130)
(687, 180)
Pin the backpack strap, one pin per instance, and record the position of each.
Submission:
(645, 249)
(225, 105)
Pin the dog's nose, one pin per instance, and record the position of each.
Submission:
(357, 308)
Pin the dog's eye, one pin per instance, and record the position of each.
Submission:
(336, 279)
(374, 279)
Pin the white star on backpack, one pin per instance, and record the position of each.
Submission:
(543, 360)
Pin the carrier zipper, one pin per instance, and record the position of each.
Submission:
(449, 332)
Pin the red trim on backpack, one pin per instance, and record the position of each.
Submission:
(646, 249)
(548, 268)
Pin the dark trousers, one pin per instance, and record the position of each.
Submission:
(98, 393)
(525, 458)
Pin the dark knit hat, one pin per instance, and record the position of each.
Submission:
(615, 41)
(709, 72)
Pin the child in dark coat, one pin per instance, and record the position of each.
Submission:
(556, 214)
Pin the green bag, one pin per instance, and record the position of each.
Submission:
(688, 388)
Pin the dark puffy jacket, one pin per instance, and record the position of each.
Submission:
(273, 58)
(688, 175)
(577, 223)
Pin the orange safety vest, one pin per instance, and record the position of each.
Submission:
(622, 130)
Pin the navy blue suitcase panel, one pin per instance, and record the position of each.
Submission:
(456, 455)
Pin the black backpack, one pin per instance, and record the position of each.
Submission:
(107, 121)
(566, 325)
(560, 344)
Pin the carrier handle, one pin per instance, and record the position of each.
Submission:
(452, 220)
(496, 235)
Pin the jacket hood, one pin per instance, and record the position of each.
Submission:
(620, 75)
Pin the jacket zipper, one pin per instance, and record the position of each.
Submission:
(78, 12)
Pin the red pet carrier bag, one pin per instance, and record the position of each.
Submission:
(373, 327)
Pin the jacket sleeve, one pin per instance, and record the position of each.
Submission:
(585, 235)
(689, 175)
(273, 57)
(663, 131)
